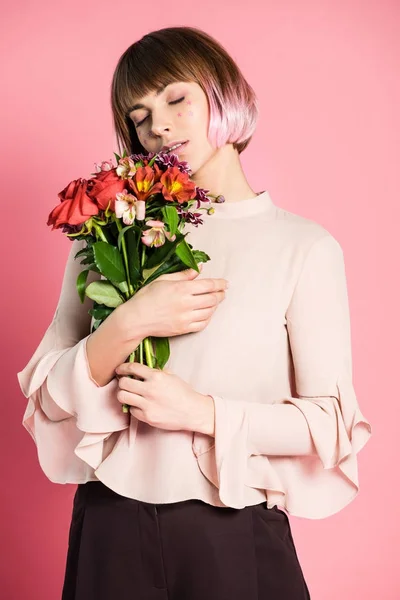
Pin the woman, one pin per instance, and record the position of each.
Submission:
(179, 498)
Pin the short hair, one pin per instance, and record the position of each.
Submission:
(185, 53)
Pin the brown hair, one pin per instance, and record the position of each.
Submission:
(184, 54)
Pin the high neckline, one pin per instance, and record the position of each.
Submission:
(241, 208)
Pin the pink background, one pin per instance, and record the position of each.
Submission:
(327, 147)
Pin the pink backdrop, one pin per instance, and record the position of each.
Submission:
(327, 146)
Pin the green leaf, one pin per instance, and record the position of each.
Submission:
(92, 267)
(103, 292)
(148, 273)
(81, 283)
(100, 312)
(88, 260)
(171, 218)
(81, 252)
(123, 286)
(186, 255)
(200, 256)
(109, 261)
(96, 325)
(172, 265)
(116, 157)
(162, 350)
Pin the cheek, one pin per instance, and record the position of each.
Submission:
(196, 113)
(188, 110)
(144, 137)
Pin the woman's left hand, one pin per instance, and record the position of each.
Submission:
(162, 399)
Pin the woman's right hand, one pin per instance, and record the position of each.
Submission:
(172, 304)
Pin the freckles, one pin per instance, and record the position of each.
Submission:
(190, 113)
(189, 102)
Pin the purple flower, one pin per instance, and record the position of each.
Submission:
(139, 157)
(201, 196)
(190, 217)
(172, 160)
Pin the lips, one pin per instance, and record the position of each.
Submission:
(167, 147)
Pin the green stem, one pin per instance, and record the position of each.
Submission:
(148, 351)
(125, 255)
(146, 343)
(131, 359)
(143, 254)
(141, 352)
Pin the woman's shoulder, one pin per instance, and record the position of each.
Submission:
(301, 232)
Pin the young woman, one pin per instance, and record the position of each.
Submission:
(179, 498)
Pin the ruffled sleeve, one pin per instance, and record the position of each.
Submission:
(302, 449)
(68, 414)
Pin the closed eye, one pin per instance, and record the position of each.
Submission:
(173, 102)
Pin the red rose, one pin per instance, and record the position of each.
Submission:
(75, 205)
(106, 184)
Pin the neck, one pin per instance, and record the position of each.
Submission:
(223, 174)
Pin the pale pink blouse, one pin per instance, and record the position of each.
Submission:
(275, 357)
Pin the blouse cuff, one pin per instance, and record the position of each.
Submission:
(313, 486)
(75, 393)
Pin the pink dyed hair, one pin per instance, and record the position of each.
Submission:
(184, 54)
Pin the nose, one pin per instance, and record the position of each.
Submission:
(160, 123)
(159, 130)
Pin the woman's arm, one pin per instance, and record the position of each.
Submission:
(299, 443)
(69, 412)
(109, 346)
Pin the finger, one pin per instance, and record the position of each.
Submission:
(204, 286)
(134, 386)
(134, 400)
(137, 413)
(136, 368)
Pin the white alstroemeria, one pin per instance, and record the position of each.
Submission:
(155, 236)
(127, 207)
(126, 167)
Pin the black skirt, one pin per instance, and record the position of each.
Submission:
(124, 549)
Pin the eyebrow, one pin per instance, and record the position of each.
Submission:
(159, 90)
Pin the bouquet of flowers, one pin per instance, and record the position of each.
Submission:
(132, 217)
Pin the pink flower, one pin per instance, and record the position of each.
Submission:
(129, 208)
(105, 165)
(155, 236)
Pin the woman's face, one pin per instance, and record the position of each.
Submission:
(178, 112)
